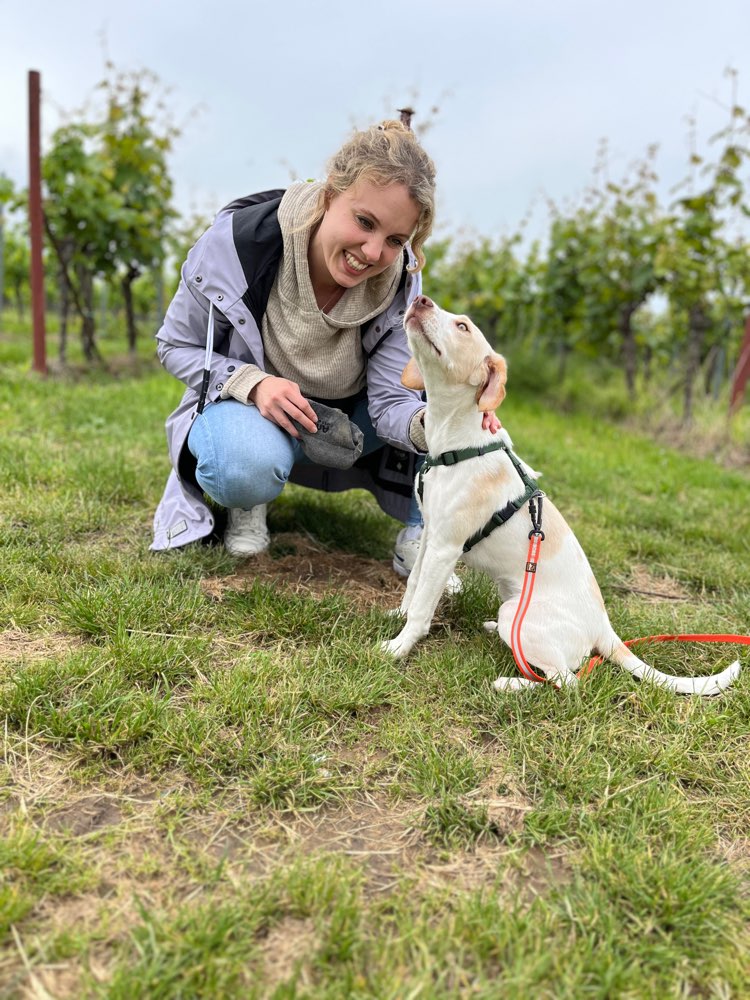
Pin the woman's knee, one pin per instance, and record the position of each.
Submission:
(242, 459)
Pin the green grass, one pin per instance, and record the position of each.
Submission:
(231, 792)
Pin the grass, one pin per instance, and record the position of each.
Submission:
(214, 785)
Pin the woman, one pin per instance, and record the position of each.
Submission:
(306, 290)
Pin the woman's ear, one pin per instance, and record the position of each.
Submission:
(411, 376)
(492, 386)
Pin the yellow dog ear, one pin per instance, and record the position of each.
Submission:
(493, 374)
(411, 376)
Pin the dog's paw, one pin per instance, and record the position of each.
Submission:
(563, 678)
(514, 684)
(396, 647)
(490, 626)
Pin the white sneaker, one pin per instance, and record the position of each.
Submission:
(247, 533)
(405, 555)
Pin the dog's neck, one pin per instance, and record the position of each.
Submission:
(455, 422)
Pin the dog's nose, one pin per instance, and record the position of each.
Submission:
(422, 302)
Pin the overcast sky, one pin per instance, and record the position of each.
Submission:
(525, 90)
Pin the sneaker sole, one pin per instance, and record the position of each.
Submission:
(398, 568)
(240, 551)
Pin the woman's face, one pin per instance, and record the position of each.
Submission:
(362, 232)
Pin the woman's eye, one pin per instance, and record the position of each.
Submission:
(463, 326)
(364, 222)
(396, 241)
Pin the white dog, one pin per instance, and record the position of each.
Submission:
(470, 475)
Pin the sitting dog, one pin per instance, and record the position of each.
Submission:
(472, 475)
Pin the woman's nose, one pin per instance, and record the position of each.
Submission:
(372, 249)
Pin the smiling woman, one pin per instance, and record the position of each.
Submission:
(304, 291)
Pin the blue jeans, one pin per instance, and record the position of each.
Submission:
(244, 460)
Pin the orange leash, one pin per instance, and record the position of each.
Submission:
(687, 637)
(536, 537)
(532, 560)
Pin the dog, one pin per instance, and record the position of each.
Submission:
(566, 620)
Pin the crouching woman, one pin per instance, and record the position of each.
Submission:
(303, 294)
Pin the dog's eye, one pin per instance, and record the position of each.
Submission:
(463, 327)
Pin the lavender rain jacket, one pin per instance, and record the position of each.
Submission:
(233, 265)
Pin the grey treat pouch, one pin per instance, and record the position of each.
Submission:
(337, 443)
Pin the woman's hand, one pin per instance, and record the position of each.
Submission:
(490, 422)
(280, 400)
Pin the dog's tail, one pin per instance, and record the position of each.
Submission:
(707, 685)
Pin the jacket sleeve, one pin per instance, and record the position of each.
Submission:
(391, 405)
(181, 341)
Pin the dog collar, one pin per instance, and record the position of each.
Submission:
(460, 454)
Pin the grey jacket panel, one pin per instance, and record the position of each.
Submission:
(212, 272)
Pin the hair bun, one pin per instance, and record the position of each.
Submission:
(404, 125)
(405, 116)
(387, 153)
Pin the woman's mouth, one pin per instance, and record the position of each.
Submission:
(353, 264)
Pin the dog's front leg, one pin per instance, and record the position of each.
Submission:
(434, 565)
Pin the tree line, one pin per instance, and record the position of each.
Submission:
(621, 277)
(109, 219)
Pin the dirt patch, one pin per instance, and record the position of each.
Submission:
(383, 839)
(652, 588)
(43, 782)
(301, 565)
(51, 982)
(715, 443)
(737, 853)
(379, 837)
(285, 949)
(361, 829)
(36, 775)
(156, 852)
(503, 802)
(17, 646)
(530, 873)
(85, 815)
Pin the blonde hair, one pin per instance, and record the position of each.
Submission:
(389, 153)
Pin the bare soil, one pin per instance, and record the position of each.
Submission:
(305, 567)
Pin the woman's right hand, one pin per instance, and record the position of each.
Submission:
(280, 400)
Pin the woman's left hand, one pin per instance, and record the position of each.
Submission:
(490, 422)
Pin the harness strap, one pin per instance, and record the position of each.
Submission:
(504, 514)
(461, 454)
(456, 456)
(500, 516)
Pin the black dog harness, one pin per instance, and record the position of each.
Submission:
(530, 493)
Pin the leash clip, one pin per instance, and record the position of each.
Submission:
(535, 512)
